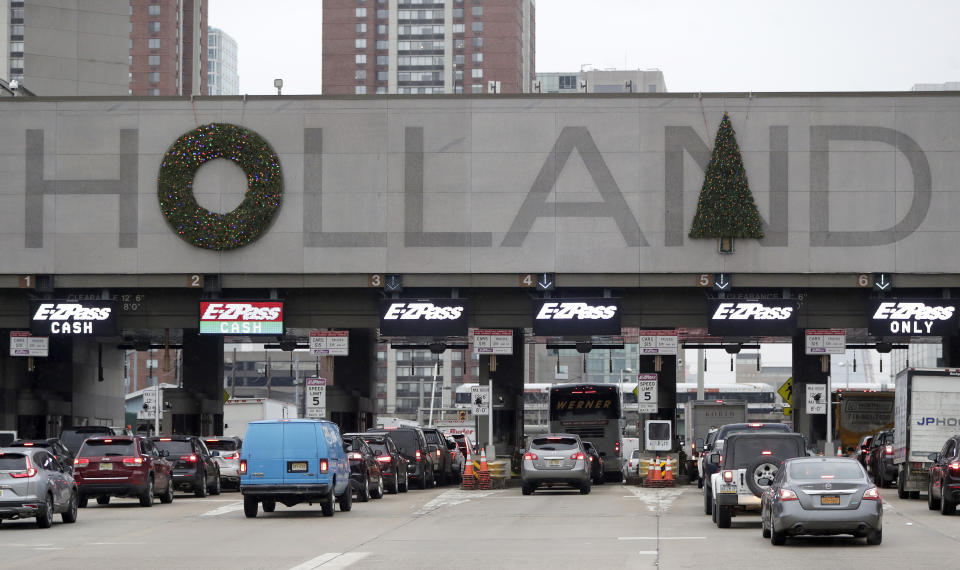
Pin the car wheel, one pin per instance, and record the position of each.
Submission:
(103, 500)
(932, 504)
(363, 494)
(713, 512)
(346, 500)
(881, 482)
(585, 490)
(723, 516)
(201, 489)
(765, 468)
(327, 508)
(45, 516)
(216, 486)
(406, 483)
(269, 506)
(146, 499)
(947, 506)
(70, 515)
(422, 480)
(378, 490)
(394, 487)
(901, 492)
(167, 496)
(527, 489)
(777, 538)
(707, 501)
(250, 507)
(765, 531)
(82, 502)
(875, 537)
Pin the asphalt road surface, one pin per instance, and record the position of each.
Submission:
(616, 526)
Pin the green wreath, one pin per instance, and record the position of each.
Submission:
(212, 230)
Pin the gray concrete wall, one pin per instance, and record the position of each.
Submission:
(96, 402)
(567, 184)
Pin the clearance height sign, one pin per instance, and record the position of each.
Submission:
(241, 317)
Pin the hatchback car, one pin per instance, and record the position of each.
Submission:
(943, 492)
(51, 444)
(555, 459)
(128, 466)
(34, 484)
(194, 470)
(393, 465)
(365, 474)
(596, 463)
(225, 451)
(822, 496)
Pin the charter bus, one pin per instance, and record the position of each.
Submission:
(591, 411)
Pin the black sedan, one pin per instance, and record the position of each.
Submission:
(365, 473)
(596, 463)
(392, 462)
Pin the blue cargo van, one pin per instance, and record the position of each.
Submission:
(291, 462)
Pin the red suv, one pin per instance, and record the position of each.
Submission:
(122, 466)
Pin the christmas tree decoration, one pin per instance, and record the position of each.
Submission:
(211, 230)
(726, 209)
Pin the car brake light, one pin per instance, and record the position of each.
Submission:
(616, 447)
(531, 456)
(578, 455)
(419, 457)
(721, 459)
(108, 441)
(787, 495)
(354, 455)
(754, 425)
(30, 472)
(191, 458)
(728, 476)
(165, 439)
(243, 466)
(766, 452)
(133, 461)
(384, 459)
(888, 449)
(871, 494)
(28, 444)
(81, 461)
(438, 453)
(323, 465)
(453, 454)
(234, 455)
(954, 466)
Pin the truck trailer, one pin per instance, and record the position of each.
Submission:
(700, 416)
(927, 413)
(238, 412)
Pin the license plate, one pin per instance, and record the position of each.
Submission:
(727, 489)
(106, 466)
(298, 466)
(829, 500)
(554, 462)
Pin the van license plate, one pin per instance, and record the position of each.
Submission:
(298, 467)
(106, 466)
(829, 500)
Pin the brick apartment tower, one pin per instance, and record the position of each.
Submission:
(424, 47)
(168, 47)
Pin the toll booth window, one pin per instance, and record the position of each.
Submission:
(659, 432)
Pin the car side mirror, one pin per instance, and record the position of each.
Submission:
(933, 456)
(714, 458)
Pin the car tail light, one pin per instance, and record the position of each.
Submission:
(384, 459)
(28, 444)
(133, 461)
(766, 452)
(81, 461)
(108, 441)
(189, 458)
(954, 466)
(728, 476)
(438, 453)
(234, 455)
(453, 454)
(754, 425)
(531, 456)
(788, 495)
(354, 455)
(418, 455)
(162, 439)
(578, 455)
(888, 449)
(616, 447)
(721, 460)
(591, 459)
(324, 465)
(243, 467)
(871, 494)
(30, 472)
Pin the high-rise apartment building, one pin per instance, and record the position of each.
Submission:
(168, 47)
(425, 47)
(222, 77)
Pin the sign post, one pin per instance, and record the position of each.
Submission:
(316, 405)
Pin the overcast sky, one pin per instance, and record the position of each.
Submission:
(700, 45)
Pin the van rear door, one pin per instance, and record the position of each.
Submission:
(264, 453)
(301, 463)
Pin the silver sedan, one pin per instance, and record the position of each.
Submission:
(555, 459)
(822, 496)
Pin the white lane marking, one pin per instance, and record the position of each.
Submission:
(223, 510)
(656, 499)
(450, 498)
(661, 538)
(332, 560)
(653, 552)
(48, 548)
(116, 543)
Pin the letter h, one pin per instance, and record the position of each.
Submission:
(38, 187)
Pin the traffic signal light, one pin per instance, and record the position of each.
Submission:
(463, 415)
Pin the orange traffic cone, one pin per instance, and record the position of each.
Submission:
(668, 473)
(483, 460)
(468, 470)
(840, 450)
(656, 470)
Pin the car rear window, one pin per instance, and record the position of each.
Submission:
(553, 443)
(102, 447)
(746, 451)
(378, 448)
(825, 470)
(173, 447)
(13, 462)
(73, 438)
(432, 437)
(406, 441)
(222, 445)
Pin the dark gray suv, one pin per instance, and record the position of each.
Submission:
(412, 445)
(439, 455)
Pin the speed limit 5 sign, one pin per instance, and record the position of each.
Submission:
(646, 393)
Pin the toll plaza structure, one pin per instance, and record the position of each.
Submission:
(195, 222)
